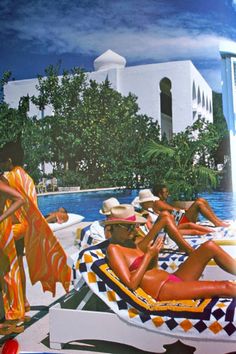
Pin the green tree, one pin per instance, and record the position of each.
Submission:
(95, 135)
(12, 123)
(186, 160)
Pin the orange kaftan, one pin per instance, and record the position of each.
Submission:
(45, 256)
(13, 300)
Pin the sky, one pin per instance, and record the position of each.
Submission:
(37, 33)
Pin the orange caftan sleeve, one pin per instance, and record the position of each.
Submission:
(45, 256)
(12, 293)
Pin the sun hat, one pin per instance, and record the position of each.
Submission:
(124, 214)
(107, 205)
(146, 195)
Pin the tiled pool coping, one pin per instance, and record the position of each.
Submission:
(81, 190)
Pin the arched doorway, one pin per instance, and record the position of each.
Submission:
(166, 108)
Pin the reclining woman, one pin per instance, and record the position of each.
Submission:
(58, 216)
(136, 265)
(149, 202)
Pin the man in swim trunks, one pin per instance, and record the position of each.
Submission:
(199, 206)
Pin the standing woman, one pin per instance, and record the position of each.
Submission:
(10, 279)
(45, 257)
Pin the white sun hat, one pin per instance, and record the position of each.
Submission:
(107, 205)
(146, 195)
(124, 214)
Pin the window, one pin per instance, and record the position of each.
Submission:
(166, 108)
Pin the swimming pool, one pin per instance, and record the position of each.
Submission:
(89, 203)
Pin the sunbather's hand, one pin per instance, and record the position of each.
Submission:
(154, 247)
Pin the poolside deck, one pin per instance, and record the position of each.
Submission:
(35, 338)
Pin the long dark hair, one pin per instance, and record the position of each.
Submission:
(14, 151)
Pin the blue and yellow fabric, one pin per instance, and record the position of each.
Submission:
(205, 318)
(83, 236)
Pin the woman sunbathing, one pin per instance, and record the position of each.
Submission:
(60, 216)
(149, 202)
(135, 264)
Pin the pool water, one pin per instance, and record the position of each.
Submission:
(89, 203)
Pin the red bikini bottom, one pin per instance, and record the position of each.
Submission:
(183, 220)
(171, 278)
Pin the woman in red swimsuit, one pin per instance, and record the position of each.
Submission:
(135, 265)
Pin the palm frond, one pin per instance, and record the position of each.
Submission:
(206, 175)
(153, 149)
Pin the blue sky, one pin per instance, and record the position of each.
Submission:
(36, 33)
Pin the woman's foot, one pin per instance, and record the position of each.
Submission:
(11, 326)
(27, 306)
(222, 224)
(4, 329)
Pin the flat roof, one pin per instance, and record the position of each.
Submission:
(227, 49)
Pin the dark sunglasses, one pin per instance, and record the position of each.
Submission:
(129, 227)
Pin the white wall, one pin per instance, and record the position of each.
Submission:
(14, 90)
(143, 81)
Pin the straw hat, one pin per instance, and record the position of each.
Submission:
(146, 196)
(124, 214)
(107, 205)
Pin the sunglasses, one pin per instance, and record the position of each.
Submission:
(128, 227)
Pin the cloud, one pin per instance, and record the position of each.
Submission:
(150, 44)
(148, 29)
(234, 4)
(142, 31)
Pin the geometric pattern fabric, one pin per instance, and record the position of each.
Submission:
(205, 318)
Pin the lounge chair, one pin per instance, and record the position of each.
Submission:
(137, 319)
(73, 219)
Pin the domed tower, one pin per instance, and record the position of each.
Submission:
(109, 60)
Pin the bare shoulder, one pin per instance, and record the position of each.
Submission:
(112, 247)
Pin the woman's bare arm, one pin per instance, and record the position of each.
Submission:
(119, 264)
(143, 244)
(14, 196)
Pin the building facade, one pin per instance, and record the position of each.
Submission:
(172, 93)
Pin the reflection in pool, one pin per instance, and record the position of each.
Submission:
(89, 203)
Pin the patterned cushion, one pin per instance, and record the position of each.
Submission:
(208, 318)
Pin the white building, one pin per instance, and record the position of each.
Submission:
(173, 93)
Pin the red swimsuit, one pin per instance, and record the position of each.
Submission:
(136, 263)
(183, 219)
(172, 278)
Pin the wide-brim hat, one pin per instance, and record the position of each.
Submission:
(124, 214)
(107, 205)
(146, 195)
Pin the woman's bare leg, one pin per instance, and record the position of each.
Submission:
(174, 233)
(23, 281)
(166, 221)
(202, 206)
(194, 226)
(191, 232)
(197, 289)
(192, 268)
